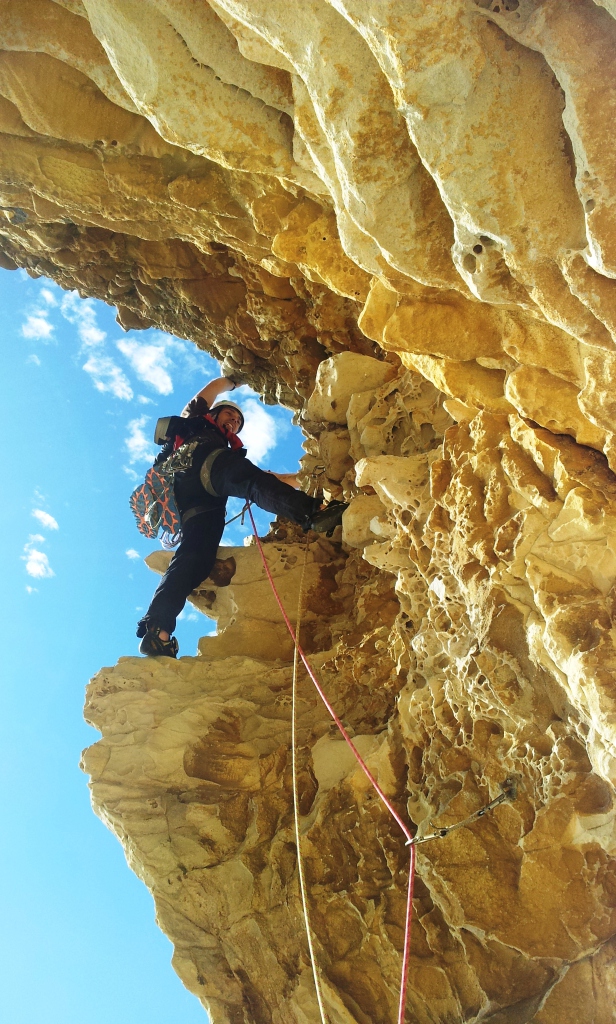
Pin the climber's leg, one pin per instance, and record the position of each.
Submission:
(190, 565)
(232, 475)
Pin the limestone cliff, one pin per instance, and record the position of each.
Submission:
(397, 219)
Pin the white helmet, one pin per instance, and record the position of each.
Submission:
(228, 405)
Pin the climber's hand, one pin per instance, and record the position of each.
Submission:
(286, 478)
(235, 375)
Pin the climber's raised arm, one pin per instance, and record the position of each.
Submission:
(214, 388)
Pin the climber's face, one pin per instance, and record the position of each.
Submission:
(230, 420)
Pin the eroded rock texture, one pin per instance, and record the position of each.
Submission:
(398, 219)
(465, 636)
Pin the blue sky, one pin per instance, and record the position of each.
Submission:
(79, 402)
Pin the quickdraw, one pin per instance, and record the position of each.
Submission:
(509, 791)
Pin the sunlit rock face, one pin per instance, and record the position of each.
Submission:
(397, 219)
(260, 176)
(463, 631)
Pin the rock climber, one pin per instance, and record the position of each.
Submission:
(218, 470)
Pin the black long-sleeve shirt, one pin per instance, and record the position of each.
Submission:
(189, 426)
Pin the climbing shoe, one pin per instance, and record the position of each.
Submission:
(153, 647)
(328, 518)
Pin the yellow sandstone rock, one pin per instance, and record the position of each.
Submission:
(398, 220)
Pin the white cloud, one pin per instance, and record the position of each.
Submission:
(44, 518)
(260, 431)
(108, 377)
(131, 553)
(143, 400)
(150, 363)
(104, 371)
(182, 346)
(131, 474)
(37, 562)
(82, 313)
(31, 590)
(48, 296)
(188, 616)
(33, 359)
(91, 335)
(162, 356)
(37, 326)
(195, 360)
(139, 447)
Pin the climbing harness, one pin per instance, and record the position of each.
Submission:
(198, 509)
(508, 790)
(170, 540)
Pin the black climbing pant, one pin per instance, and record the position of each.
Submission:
(192, 563)
(232, 476)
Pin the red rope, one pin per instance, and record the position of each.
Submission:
(367, 773)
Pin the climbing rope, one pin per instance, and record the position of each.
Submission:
(409, 902)
(300, 863)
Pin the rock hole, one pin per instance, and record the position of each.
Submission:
(589, 205)
(486, 241)
(469, 263)
(478, 248)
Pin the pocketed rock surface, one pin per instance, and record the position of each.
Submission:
(398, 220)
